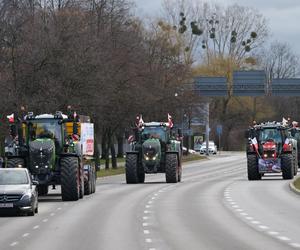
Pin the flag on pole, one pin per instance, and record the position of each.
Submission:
(11, 118)
(170, 122)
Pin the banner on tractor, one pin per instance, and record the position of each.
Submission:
(269, 165)
(87, 138)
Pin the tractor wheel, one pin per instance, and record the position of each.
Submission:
(252, 168)
(42, 190)
(81, 186)
(141, 175)
(15, 163)
(88, 184)
(180, 173)
(287, 166)
(131, 165)
(171, 168)
(70, 179)
(94, 179)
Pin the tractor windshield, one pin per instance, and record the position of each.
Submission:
(154, 132)
(270, 134)
(45, 128)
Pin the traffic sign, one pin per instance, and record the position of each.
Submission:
(219, 129)
(211, 86)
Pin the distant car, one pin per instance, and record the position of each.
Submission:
(17, 191)
(212, 148)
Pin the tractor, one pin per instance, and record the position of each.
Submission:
(271, 150)
(56, 149)
(155, 149)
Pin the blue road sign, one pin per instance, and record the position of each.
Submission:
(249, 83)
(219, 129)
(285, 87)
(211, 86)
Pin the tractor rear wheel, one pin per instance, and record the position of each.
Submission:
(141, 174)
(15, 163)
(287, 166)
(131, 166)
(172, 171)
(252, 168)
(70, 179)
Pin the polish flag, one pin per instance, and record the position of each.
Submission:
(170, 121)
(11, 118)
(255, 143)
(139, 121)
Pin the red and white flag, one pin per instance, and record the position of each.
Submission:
(139, 121)
(170, 122)
(255, 144)
(11, 118)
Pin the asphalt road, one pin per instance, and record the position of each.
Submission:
(215, 207)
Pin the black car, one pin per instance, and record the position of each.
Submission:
(17, 191)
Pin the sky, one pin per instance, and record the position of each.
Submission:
(283, 16)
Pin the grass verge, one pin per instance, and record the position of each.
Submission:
(297, 183)
(121, 169)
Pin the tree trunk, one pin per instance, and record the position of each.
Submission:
(113, 156)
(120, 146)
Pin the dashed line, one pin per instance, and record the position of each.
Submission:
(152, 249)
(52, 214)
(244, 214)
(235, 206)
(36, 227)
(153, 198)
(146, 232)
(45, 220)
(155, 194)
(145, 217)
(263, 227)
(239, 210)
(59, 208)
(150, 202)
(147, 206)
(296, 245)
(145, 224)
(147, 212)
(273, 233)
(148, 240)
(255, 222)
(25, 235)
(14, 244)
(283, 238)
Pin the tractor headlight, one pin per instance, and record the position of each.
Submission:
(146, 158)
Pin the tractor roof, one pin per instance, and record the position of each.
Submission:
(154, 124)
(274, 124)
(57, 115)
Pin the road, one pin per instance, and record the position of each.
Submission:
(215, 207)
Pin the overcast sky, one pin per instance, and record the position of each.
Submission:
(283, 16)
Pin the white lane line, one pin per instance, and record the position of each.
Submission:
(150, 202)
(255, 222)
(148, 206)
(152, 249)
(146, 232)
(263, 227)
(156, 194)
(273, 233)
(45, 220)
(283, 238)
(52, 214)
(36, 227)
(25, 235)
(148, 240)
(59, 208)
(296, 245)
(244, 214)
(249, 218)
(239, 210)
(232, 203)
(145, 224)
(14, 243)
(147, 212)
(145, 218)
(235, 206)
(153, 198)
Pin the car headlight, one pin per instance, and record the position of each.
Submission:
(27, 195)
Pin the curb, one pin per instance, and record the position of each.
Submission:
(293, 188)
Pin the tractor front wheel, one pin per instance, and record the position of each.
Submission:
(131, 165)
(70, 179)
(15, 163)
(172, 169)
(287, 166)
(252, 168)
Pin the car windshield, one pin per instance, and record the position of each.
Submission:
(13, 177)
(270, 134)
(154, 132)
(45, 128)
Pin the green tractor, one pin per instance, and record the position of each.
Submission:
(56, 149)
(154, 149)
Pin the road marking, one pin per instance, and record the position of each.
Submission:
(296, 245)
(52, 214)
(45, 220)
(153, 198)
(244, 214)
(232, 203)
(145, 218)
(273, 233)
(25, 235)
(152, 249)
(59, 208)
(148, 240)
(147, 212)
(239, 210)
(255, 222)
(150, 202)
(263, 227)
(235, 206)
(283, 238)
(14, 244)
(36, 227)
(148, 206)
(146, 232)
(145, 224)
(249, 218)
(156, 194)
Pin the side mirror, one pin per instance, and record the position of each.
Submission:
(35, 183)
